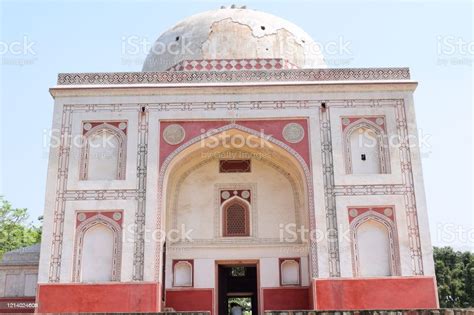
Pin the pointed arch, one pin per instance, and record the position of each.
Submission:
(377, 153)
(294, 156)
(383, 247)
(103, 154)
(235, 213)
(113, 254)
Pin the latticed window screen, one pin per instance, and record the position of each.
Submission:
(236, 220)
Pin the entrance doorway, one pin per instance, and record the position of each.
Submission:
(237, 284)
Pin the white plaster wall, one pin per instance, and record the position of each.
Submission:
(290, 272)
(269, 272)
(97, 254)
(273, 201)
(103, 156)
(362, 141)
(204, 273)
(373, 244)
(18, 280)
(422, 211)
(318, 188)
(304, 270)
(183, 274)
(31, 279)
(50, 197)
(151, 204)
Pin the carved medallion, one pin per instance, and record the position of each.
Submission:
(122, 125)
(173, 134)
(225, 195)
(81, 217)
(353, 213)
(388, 212)
(293, 133)
(117, 216)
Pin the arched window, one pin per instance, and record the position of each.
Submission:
(236, 218)
(374, 246)
(97, 250)
(182, 273)
(103, 156)
(97, 254)
(290, 271)
(365, 148)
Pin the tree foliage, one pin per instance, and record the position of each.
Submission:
(15, 230)
(455, 277)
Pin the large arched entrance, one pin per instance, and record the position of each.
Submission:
(234, 200)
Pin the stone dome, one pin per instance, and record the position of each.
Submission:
(234, 33)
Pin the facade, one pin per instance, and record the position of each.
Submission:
(238, 168)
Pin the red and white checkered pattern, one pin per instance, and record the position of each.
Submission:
(233, 65)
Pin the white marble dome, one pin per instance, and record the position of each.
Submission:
(233, 33)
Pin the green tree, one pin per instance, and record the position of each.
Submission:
(15, 230)
(455, 275)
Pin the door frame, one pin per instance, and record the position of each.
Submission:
(233, 263)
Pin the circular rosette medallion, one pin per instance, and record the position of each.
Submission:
(293, 132)
(173, 134)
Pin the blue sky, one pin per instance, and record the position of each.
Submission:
(434, 39)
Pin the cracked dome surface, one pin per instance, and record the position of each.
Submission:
(233, 34)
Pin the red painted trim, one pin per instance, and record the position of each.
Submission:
(372, 119)
(272, 127)
(110, 297)
(92, 213)
(104, 122)
(376, 293)
(379, 209)
(286, 298)
(190, 299)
